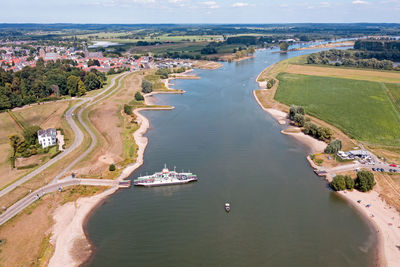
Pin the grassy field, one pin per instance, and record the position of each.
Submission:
(46, 116)
(349, 73)
(361, 109)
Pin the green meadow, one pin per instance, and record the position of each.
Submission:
(366, 111)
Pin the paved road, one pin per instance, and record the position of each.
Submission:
(355, 166)
(77, 141)
(32, 197)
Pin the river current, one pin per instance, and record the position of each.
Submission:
(282, 213)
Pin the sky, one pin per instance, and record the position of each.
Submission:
(198, 11)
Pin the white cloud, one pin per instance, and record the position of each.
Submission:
(240, 4)
(324, 4)
(360, 2)
(210, 4)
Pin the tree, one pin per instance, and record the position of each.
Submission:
(15, 141)
(338, 183)
(324, 133)
(30, 134)
(310, 129)
(92, 81)
(72, 85)
(127, 109)
(81, 88)
(284, 46)
(294, 110)
(147, 87)
(365, 181)
(111, 168)
(349, 182)
(334, 147)
(139, 96)
(299, 119)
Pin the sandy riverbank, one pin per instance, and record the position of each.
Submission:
(72, 247)
(384, 219)
(381, 216)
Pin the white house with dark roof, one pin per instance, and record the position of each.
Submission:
(47, 137)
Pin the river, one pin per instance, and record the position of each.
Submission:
(282, 214)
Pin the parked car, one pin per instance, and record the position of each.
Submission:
(373, 169)
(393, 165)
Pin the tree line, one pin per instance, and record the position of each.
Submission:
(298, 116)
(48, 80)
(352, 58)
(363, 182)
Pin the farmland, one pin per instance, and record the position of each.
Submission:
(349, 73)
(361, 109)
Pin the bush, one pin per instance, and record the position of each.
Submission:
(111, 168)
(365, 181)
(139, 96)
(27, 166)
(333, 147)
(127, 109)
(147, 87)
(338, 183)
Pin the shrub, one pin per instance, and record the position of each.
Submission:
(139, 96)
(334, 147)
(147, 87)
(365, 181)
(127, 109)
(338, 183)
(111, 168)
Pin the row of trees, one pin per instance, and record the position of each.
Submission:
(364, 182)
(33, 84)
(165, 72)
(297, 116)
(358, 59)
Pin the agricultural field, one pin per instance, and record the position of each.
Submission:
(348, 73)
(361, 109)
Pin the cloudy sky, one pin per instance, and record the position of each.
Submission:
(198, 11)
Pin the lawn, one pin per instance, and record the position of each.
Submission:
(361, 109)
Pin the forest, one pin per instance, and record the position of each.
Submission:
(47, 81)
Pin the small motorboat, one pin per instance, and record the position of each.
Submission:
(227, 207)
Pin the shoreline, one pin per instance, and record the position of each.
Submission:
(68, 230)
(380, 216)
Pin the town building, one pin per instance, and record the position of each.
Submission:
(47, 137)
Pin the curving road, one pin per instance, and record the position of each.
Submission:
(32, 197)
(77, 141)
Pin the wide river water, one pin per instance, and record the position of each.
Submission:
(282, 214)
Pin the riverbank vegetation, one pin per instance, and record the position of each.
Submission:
(363, 182)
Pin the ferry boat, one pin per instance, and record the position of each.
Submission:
(165, 177)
